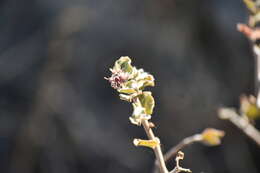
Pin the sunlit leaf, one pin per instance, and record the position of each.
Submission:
(251, 6)
(127, 90)
(248, 107)
(147, 102)
(123, 64)
(212, 136)
(147, 143)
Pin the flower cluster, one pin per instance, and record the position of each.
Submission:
(130, 83)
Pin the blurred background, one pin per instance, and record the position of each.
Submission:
(59, 115)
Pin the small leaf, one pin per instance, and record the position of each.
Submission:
(251, 6)
(147, 102)
(139, 113)
(212, 136)
(248, 107)
(124, 97)
(123, 64)
(144, 83)
(135, 121)
(127, 90)
(138, 110)
(131, 84)
(138, 120)
(147, 143)
(144, 79)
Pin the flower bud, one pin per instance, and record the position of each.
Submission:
(212, 136)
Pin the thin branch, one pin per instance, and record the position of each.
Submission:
(178, 168)
(174, 150)
(185, 142)
(257, 74)
(242, 123)
(157, 149)
(253, 34)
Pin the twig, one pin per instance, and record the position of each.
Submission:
(257, 74)
(174, 150)
(185, 142)
(242, 123)
(157, 149)
(130, 83)
(178, 168)
(253, 34)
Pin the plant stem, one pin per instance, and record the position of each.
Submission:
(157, 149)
(257, 74)
(175, 149)
(185, 142)
(178, 168)
(242, 123)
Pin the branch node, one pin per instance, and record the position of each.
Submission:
(178, 168)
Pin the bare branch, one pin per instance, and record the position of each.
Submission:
(241, 122)
(174, 150)
(185, 142)
(257, 73)
(178, 168)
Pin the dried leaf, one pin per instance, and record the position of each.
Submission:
(212, 136)
(147, 143)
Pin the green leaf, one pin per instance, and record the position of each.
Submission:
(144, 79)
(138, 110)
(147, 81)
(139, 113)
(124, 64)
(130, 84)
(251, 6)
(124, 97)
(147, 102)
(127, 90)
(147, 143)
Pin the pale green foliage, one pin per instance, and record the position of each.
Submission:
(254, 7)
(147, 143)
(123, 64)
(130, 83)
(251, 5)
(147, 102)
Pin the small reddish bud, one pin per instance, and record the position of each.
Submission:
(117, 79)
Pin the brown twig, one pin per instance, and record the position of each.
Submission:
(178, 168)
(257, 74)
(253, 34)
(185, 142)
(242, 123)
(174, 150)
(157, 149)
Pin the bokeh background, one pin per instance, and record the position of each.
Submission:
(59, 115)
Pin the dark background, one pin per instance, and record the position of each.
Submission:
(58, 114)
